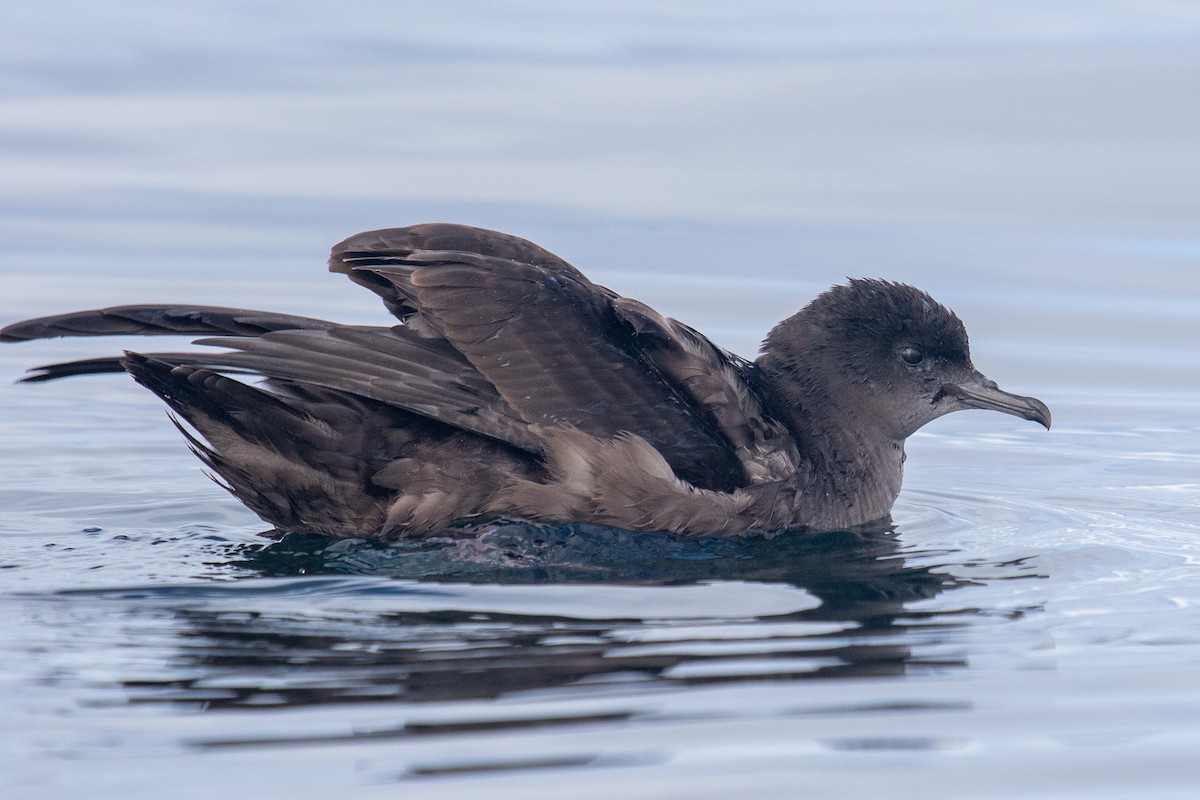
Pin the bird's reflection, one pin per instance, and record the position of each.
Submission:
(243, 654)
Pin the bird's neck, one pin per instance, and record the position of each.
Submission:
(852, 471)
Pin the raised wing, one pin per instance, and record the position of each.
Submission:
(388, 365)
(552, 343)
(392, 366)
(499, 335)
(395, 245)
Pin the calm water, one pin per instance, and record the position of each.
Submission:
(1028, 627)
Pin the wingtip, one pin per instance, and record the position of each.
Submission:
(14, 332)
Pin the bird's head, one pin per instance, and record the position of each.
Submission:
(889, 355)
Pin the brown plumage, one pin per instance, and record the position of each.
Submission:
(516, 387)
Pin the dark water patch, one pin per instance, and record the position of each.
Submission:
(841, 567)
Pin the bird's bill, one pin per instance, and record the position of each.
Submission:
(980, 391)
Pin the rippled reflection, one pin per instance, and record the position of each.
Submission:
(568, 609)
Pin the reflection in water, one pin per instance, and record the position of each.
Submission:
(362, 640)
(843, 568)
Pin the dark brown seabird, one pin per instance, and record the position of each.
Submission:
(515, 387)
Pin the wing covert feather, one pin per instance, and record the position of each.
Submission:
(557, 351)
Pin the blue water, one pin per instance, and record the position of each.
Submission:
(1027, 626)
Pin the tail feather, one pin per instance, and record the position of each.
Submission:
(287, 466)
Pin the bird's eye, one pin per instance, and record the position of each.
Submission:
(912, 355)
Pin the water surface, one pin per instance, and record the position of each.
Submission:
(1028, 625)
